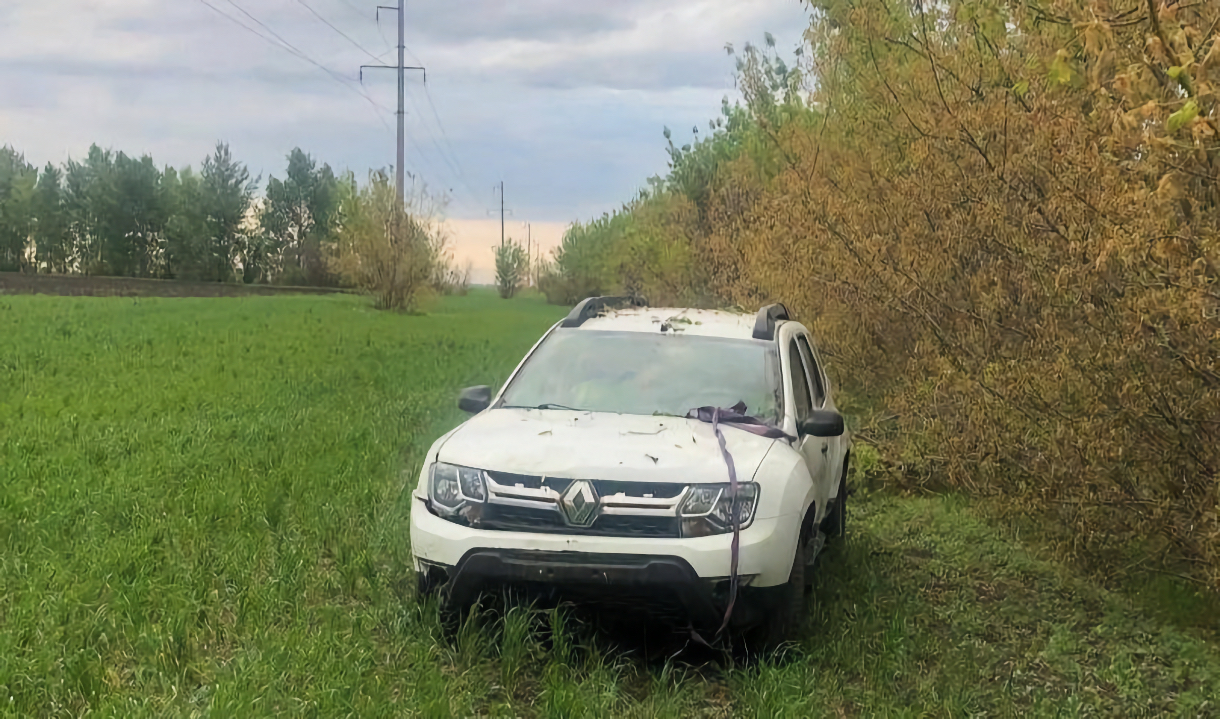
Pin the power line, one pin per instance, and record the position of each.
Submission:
(441, 126)
(358, 11)
(449, 159)
(418, 150)
(445, 136)
(446, 162)
(389, 45)
(291, 49)
(400, 68)
(345, 36)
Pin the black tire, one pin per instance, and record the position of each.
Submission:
(834, 526)
(783, 624)
(425, 585)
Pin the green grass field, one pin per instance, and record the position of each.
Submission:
(203, 512)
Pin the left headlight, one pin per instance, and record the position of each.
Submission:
(451, 487)
(708, 509)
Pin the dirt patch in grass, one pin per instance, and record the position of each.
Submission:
(12, 283)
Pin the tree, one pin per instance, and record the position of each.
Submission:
(300, 216)
(511, 265)
(133, 245)
(260, 262)
(384, 249)
(227, 192)
(93, 205)
(17, 180)
(186, 230)
(1004, 217)
(53, 248)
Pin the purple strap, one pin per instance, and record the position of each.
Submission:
(737, 417)
(736, 519)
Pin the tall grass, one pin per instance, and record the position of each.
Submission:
(203, 512)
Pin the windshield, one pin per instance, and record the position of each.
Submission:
(646, 373)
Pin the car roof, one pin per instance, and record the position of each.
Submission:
(706, 323)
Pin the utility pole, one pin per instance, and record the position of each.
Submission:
(400, 165)
(502, 213)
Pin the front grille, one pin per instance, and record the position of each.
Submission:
(659, 490)
(529, 481)
(549, 521)
(521, 519)
(525, 503)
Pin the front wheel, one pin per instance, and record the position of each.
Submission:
(835, 523)
(783, 624)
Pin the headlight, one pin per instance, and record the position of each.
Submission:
(708, 509)
(453, 486)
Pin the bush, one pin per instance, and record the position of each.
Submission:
(383, 249)
(1003, 222)
(512, 262)
(450, 280)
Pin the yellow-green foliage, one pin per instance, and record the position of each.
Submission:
(385, 248)
(1002, 220)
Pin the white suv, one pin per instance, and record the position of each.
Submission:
(611, 462)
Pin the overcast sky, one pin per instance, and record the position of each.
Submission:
(563, 100)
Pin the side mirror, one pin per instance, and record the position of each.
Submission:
(821, 423)
(475, 399)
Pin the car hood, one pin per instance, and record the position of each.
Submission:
(593, 445)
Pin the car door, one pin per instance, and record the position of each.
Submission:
(814, 449)
(832, 447)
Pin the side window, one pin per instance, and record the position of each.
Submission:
(815, 373)
(800, 386)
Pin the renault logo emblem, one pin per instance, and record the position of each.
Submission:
(579, 503)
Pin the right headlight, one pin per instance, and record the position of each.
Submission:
(451, 487)
(708, 509)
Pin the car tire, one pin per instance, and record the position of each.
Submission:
(425, 585)
(834, 526)
(783, 623)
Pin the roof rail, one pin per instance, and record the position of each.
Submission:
(593, 306)
(764, 325)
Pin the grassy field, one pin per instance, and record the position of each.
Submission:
(203, 513)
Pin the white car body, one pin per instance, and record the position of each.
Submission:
(798, 477)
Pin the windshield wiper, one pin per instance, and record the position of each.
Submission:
(546, 405)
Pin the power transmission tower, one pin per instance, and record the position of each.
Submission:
(400, 166)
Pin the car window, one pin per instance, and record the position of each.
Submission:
(815, 374)
(649, 373)
(800, 386)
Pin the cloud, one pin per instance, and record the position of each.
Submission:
(564, 101)
(536, 20)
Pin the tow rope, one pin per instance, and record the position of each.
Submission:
(735, 514)
(736, 416)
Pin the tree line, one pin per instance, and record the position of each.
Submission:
(1002, 220)
(113, 214)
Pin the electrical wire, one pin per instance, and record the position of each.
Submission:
(282, 44)
(450, 159)
(344, 35)
(445, 136)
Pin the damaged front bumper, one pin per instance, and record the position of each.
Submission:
(665, 588)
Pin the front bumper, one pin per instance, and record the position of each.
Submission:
(766, 548)
(666, 588)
